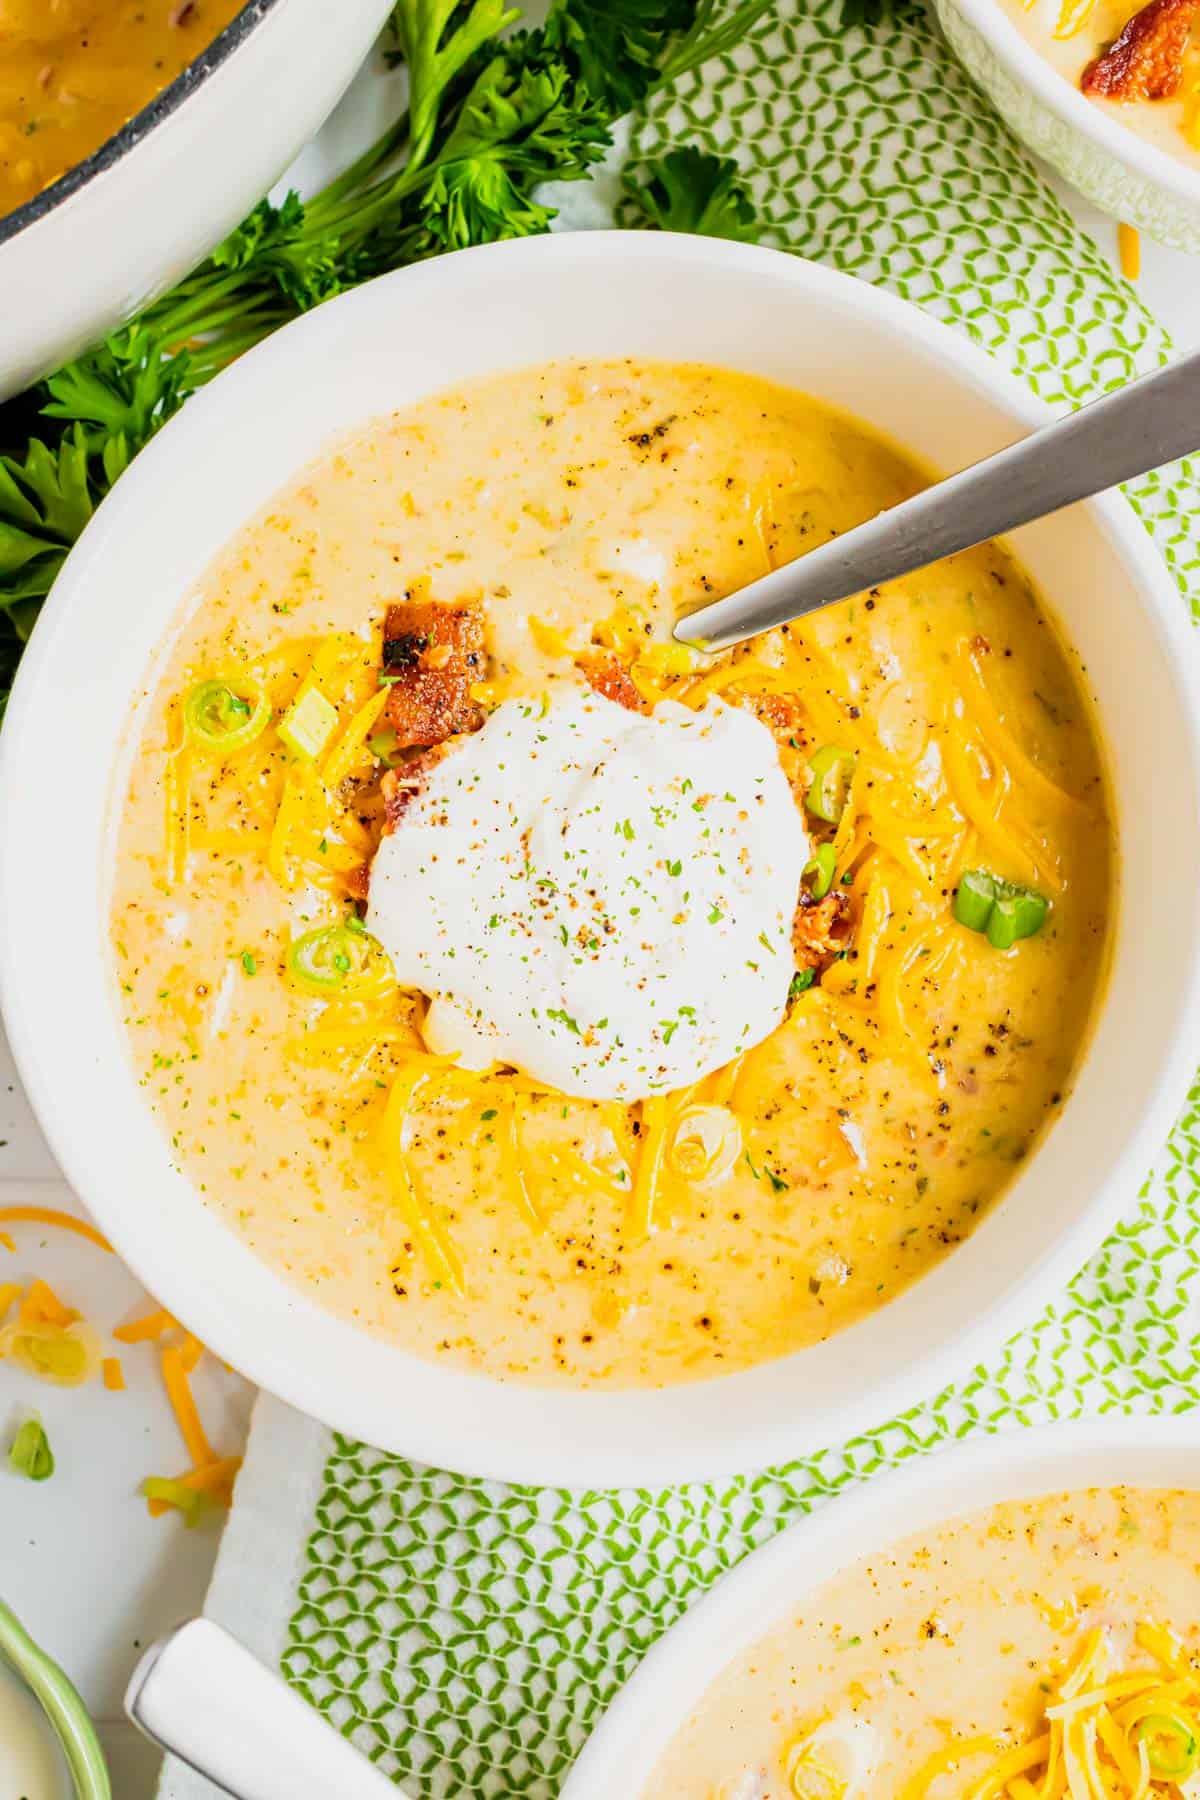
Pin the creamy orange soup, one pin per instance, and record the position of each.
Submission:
(72, 72)
(497, 1220)
(996, 1658)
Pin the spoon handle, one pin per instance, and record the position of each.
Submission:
(199, 1694)
(1139, 427)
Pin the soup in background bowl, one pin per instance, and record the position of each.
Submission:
(1107, 93)
(1009, 1617)
(812, 354)
(1139, 66)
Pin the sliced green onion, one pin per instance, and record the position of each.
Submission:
(31, 1454)
(308, 724)
(706, 1144)
(802, 979)
(1003, 910)
(224, 716)
(831, 770)
(974, 899)
(820, 867)
(386, 746)
(1171, 1744)
(193, 1503)
(1020, 914)
(332, 958)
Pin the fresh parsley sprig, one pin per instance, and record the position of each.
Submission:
(692, 190)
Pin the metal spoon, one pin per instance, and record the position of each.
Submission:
(201, 1695)
(1138, 428)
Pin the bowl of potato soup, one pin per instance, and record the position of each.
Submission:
(1108, 91)
(1018, 1616)
(535, 1046)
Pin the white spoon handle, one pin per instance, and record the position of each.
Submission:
(1139, 427)
(199, 1694)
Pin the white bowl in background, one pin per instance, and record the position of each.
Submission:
(149, 203)
(222, 458)
(928, 1492)
(1108, 162)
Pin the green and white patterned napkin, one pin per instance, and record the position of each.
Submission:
(465, 1635)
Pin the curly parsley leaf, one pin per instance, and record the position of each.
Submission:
(692, 190)
(615, 47)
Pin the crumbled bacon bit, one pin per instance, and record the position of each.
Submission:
(782, 714)
(1146, 60)
(820, 929)
(610, 678)
(401, 786)
(433, 653)
(358, 882)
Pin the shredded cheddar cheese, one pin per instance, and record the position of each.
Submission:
(1072, 17)
(1107, 1732)
(42, 1306)
(144, 1330)
(435, 1243)
(514, 1165)
(49, 1215)
(1129, 243)
(655, 1124)
(183, 1405)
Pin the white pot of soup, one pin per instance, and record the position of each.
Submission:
(528, 1044)
(132, 138)
(1017, 1616)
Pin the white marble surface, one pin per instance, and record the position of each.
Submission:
(93, 1576)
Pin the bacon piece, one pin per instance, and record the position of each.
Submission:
(433, 653)
(1146, 61)
(820, 929)
(780, 713)
(401, 786)
(358, 882)
(610, 678)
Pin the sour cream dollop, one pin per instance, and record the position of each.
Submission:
(600, 897)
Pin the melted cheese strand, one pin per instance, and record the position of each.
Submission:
(176, 794)
(1000, 740)
(652, 1145)
(513, 1158)
(350, 746)
(438, 1249)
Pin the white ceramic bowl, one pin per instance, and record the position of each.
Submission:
(148, 204)
(217, 463)
(926, 1493)
(1090, 147)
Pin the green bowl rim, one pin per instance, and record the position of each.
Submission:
(61, 1704)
